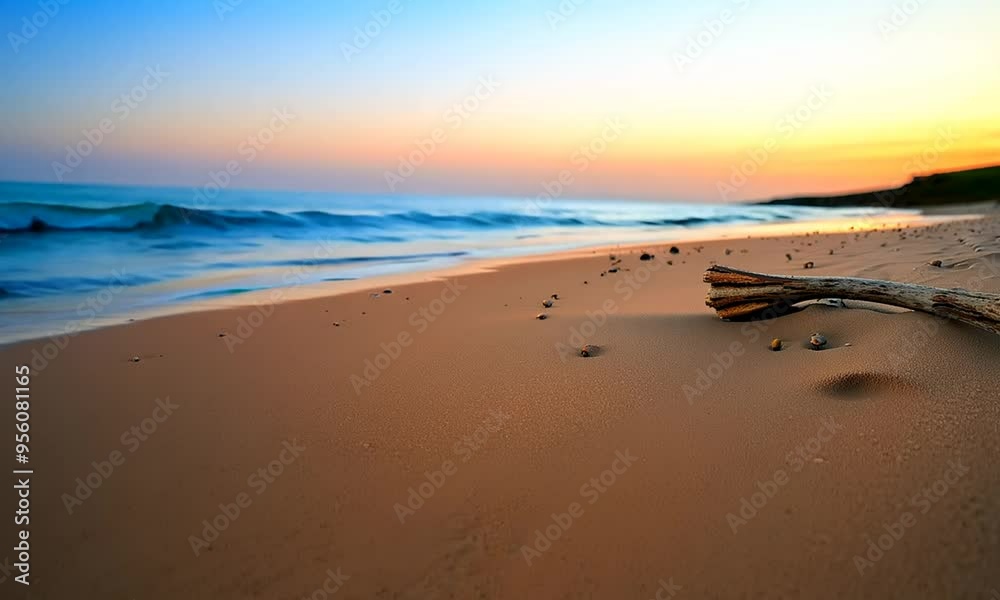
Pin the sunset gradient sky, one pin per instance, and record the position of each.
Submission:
(889, 92)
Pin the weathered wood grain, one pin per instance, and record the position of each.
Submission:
(734, 294)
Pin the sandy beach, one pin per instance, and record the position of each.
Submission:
(440, 441)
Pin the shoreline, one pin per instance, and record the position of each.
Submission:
(293, 293)
(443, 440)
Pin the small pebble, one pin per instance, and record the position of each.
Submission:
(613, 270)
(675, 250)
(136, 359)
(788, 256)
(809, 265)
(555, 296)
(935, 263)
(222, 335)
(775, 344)
(645, 256)
(817, 341)
(541, 316)
(547, 303)
(589, 350)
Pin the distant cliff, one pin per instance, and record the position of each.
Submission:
(956, 187)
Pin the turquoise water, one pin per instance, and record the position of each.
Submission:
(100, 253)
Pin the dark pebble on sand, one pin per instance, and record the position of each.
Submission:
(935, 263)
(386, 291)
(809, 265)
(135, 359)
(675, 250)
(589, 350)
(613, 270)
(645, 256)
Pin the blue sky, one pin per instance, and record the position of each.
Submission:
(559, 82)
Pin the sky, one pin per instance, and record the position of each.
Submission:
(695, 101)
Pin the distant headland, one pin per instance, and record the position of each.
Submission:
(967, 186)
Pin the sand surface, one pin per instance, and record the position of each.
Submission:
(685, 460)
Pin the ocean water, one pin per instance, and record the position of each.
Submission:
(82, 256)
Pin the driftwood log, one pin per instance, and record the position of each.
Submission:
(738, 294)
